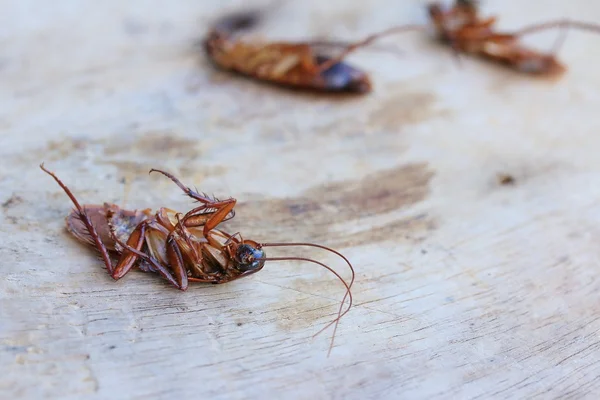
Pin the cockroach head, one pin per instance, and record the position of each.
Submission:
(342, 77)
(249, 256)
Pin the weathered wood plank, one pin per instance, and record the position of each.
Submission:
(465, 288)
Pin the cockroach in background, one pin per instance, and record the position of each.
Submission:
(293, 65)
(461, 27)
(181, 247)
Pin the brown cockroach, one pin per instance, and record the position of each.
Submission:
(181, 247)
(294, 65)
(461, 27)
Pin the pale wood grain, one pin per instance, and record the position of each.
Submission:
(465, 288)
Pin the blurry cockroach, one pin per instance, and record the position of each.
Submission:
(295, 65)
(461, 27)
(182, 247)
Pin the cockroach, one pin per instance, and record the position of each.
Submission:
(461, 27)
(181, 247)
(293, 65)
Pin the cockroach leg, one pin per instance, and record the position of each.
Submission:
(186, 237)
(162, 270)
(194, 195)
(128, 259)
(86, 221)
(228, 241)
(175, 260)
(222, 208)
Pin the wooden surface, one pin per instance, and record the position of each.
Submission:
(465, 288)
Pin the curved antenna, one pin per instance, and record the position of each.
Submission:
(348, 293)
(562, 37)
(367, 41)
(561, 23)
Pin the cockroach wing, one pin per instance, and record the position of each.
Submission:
(123, 223)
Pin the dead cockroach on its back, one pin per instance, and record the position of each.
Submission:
(461, 27)
(181, 247)
(294, 65)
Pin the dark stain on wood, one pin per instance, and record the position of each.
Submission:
(506, 179)
(314, 214)
(389, 114)
(402, 109)
(149, 145)
(154, 144)
(12, 201)
(136, 155)
(412, 229)
(132, 154)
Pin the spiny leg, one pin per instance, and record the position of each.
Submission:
(207, 201)
(222, 208)
(192, 222)
(194, 195)
(233, 236)
(199, 216)
(86, 221)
